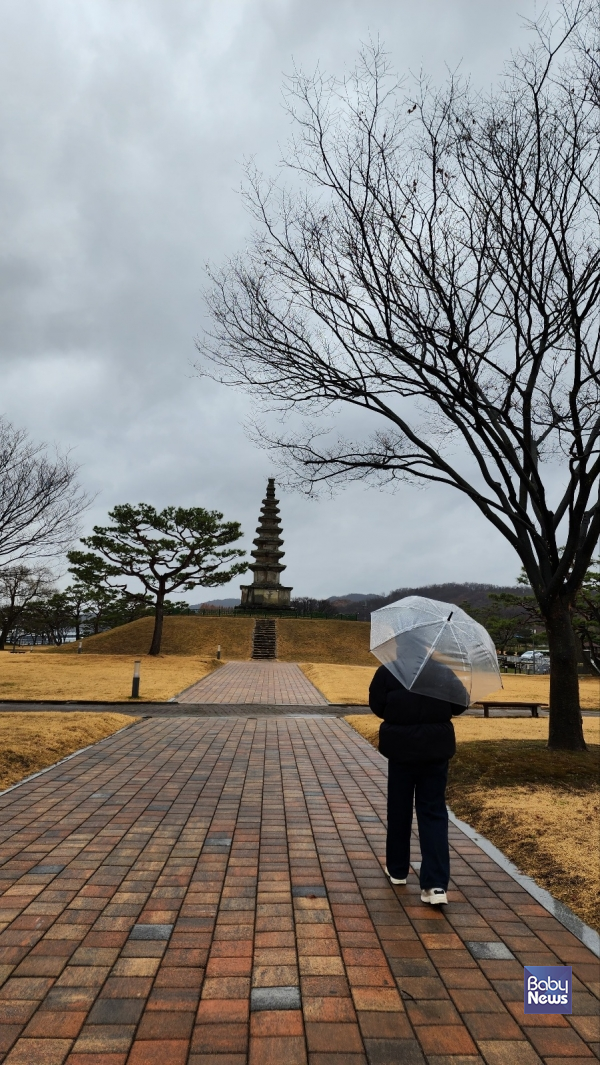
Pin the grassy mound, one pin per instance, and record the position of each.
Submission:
(313, 640)
(181, 636)
(538, 806)
(298, 639)
(30, 742)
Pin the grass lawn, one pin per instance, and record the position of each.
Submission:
(30, 742)
(350, 684)
(96, 678)
(540, 807)
(340, 684)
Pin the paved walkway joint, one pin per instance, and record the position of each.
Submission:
(211, 892)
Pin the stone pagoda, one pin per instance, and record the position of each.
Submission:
(265, 592)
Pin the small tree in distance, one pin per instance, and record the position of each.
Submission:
(170, 550)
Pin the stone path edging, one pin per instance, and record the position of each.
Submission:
(588, 936)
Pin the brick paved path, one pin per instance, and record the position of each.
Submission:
(211, 892)
(278, 683)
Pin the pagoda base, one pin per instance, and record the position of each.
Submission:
(265, 597)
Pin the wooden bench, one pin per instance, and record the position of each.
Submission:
(508, 705)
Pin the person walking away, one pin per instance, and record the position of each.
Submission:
(417, 737)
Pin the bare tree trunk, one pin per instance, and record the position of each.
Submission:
(10, 620)
(566, 726)
(158, 624)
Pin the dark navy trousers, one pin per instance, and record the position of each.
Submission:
(425, 784)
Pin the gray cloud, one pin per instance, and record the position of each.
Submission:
(124, 124)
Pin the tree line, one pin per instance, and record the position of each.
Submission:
(33, 609)
(509, 613)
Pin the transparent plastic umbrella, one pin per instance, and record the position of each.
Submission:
(435, 649)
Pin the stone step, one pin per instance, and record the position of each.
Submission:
(264, 640)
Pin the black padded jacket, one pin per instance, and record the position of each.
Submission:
(416, 728)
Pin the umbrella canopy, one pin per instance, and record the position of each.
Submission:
(435, 649)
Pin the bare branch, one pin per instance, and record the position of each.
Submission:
(40, 499)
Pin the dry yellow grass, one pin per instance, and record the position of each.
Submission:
(347, 685)
(312, 640)
(367, 725)
(548, 831)
(520, 687)
(30, 742)
(350, 684)
(515, 728)
(181, 636)
(540, 807)
(469, 729)
(96, 678)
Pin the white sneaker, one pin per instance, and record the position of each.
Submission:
(435, 895)
(393, 879)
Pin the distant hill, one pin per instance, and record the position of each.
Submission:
(353, 597)
(362, 603)
(475, 594)
(211, 603)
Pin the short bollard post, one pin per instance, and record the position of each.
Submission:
(135, 687)
(219, 651)
(80, 648)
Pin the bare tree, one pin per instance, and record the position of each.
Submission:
(40, 499)
(20, 587)
(436, 264)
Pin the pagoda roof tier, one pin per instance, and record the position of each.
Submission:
(268, 534)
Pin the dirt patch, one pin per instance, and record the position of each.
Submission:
(30, 742)
(539, 807)
(96, 678)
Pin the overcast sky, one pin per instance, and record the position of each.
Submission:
(125, 124)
